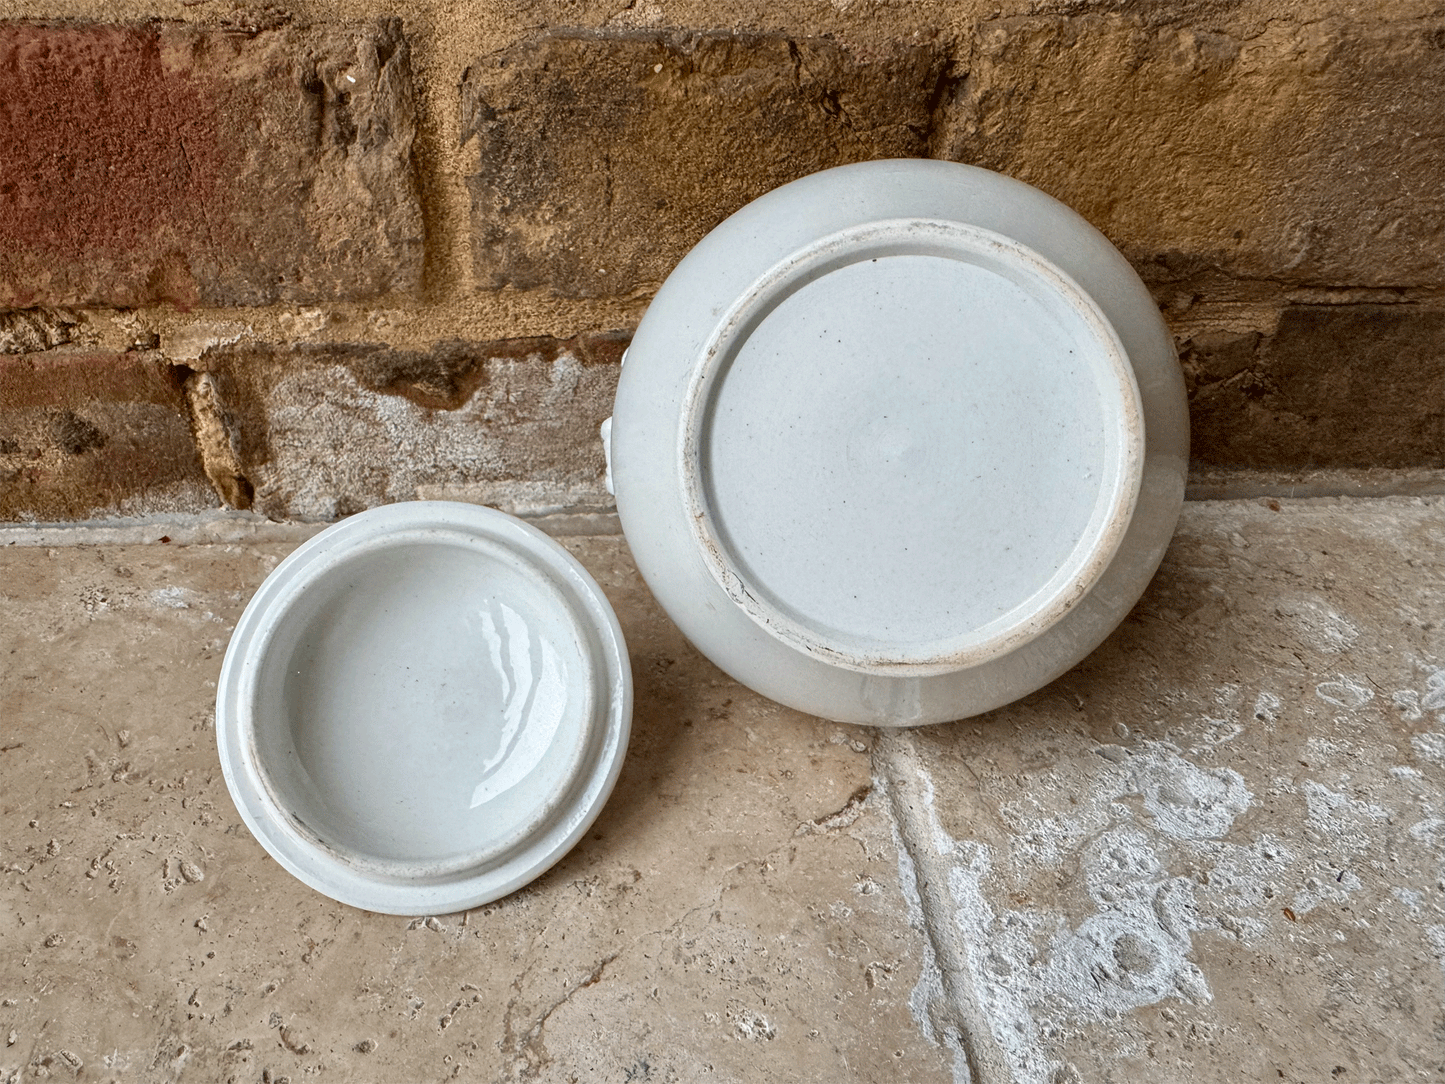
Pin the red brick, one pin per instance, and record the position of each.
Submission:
(158, 162)
(1306, 151)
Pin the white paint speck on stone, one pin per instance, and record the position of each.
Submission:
(1318, 624)
(1187, 801)
(1430, 747)
(1344, 692)
(1267, 709)
(172, 598)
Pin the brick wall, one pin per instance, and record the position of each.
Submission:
(311, 259)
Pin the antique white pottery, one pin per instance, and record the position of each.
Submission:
(900, 442)
(423, 707)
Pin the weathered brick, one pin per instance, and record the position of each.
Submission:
(1311, 153)
(602, 157)
(324, 430)
(168, 163)
(84, 434)
(1333, 386)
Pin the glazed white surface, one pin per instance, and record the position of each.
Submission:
(423, 707)
(908, 482)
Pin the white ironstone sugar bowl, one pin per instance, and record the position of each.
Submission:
(900, 442)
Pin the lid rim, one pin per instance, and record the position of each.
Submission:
(398, 887)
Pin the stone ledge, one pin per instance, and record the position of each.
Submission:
(1212, 850)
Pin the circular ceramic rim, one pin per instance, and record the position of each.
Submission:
(720, 268)
(307, 577)
(473, 879)
(1123, 454)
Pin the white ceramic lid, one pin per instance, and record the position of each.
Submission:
(885, 430)
(424, 707)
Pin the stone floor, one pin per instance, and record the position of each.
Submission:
(1215, 851)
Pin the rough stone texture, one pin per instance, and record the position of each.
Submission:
(602, 157)
(85, 434)
(29, 331)
(150, 163)
(735, 915)
(1332, 386)
(1210, 853)
(326, 430)
(1309, 152)
(1213, 851)
(217, 442)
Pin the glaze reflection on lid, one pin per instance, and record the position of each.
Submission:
(424, 707)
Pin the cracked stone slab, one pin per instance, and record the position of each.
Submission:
(603, 156)
(1213, 851)
(735, 915)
